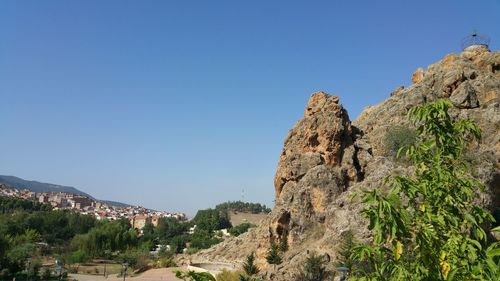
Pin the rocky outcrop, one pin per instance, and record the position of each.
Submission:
(321, 139)
(326, 159)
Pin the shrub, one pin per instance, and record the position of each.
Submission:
(192, 250)
(346, 249)
(46, 274)
(283, 245)
(249, 266)
(166, 262)
(314, 269)
(240, 229)
(228, 275)
(273, 255)
(398, 138)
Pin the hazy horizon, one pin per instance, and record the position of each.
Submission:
(181, 105)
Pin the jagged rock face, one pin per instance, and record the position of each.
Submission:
(471, 80)
(326, 159)
(318, 141)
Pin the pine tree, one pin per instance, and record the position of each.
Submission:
(314, 269)
(283, 246)
(273, 256)
(249, 266)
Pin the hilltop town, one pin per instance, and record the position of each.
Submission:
(137, 215)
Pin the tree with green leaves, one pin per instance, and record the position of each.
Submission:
(273, 256)
(427, 226)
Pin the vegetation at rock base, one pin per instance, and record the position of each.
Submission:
(314, 269)
(426, 226)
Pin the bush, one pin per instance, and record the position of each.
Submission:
(135, 258)
(346, 249)
(398, 138)
(46, 274)
(314, 269)
(192, 250)
(166, 262)
(273, 255)
(228, 275)
(240, 229)
(249, 266)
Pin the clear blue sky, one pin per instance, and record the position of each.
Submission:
(179, 105)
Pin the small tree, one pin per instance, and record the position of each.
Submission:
(273, 256)
(427, 227)
(46, 274)
(249, 266)
(346, 249)
(314, 269)
(283, 245)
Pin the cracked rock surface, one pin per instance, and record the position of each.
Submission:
(327, 158)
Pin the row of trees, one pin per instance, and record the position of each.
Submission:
(245, 207)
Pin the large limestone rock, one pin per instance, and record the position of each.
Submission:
(326, 159)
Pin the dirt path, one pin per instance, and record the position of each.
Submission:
(160, 274)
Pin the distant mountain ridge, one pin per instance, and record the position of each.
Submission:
(49, 187)
(40, 186)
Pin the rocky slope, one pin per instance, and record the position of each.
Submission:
(326, 158)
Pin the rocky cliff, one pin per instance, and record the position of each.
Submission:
(326, 158)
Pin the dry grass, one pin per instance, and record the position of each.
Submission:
(238, 218)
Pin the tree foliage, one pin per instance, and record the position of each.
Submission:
(11, 204)
(314, 269)
(240, 206)
(427, 226)
(274, 255)
(168, 228)
(249, 266)
(240, 229)
(211, 220)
